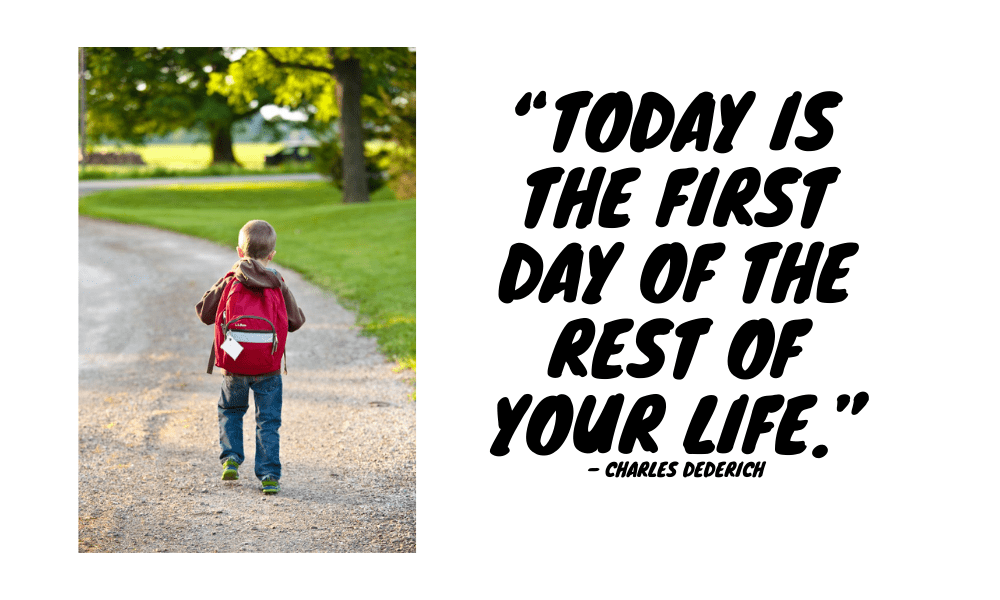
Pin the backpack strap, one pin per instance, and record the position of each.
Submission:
(226, 293)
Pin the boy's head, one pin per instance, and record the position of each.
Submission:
(257, 240)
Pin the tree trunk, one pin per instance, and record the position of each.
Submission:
(348, 74)
(83, 109)
(339, 92)
(222, 146)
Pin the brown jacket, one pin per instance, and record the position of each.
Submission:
(250, 273)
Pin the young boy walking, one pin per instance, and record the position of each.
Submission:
(253, 311)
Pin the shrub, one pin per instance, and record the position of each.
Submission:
(401, 164)
(330, 163)
(404, 185)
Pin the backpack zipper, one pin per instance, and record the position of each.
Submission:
(274, 332)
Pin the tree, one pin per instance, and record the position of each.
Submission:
(83, 109)
(137, 92)
(354, 85)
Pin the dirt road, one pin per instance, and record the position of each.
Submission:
(149, 444)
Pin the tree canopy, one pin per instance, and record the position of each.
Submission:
(133, 93)
(370, 92)
(364, 94)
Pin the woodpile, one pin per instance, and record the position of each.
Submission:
(114, 158)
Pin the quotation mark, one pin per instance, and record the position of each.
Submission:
(843, 401)
(860, 400)
(524, 104)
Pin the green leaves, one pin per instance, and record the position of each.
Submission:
(247, 80)
(134, 92)
(306, 78)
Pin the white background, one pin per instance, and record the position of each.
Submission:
(903, 504)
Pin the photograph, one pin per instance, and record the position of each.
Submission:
(247, 238)
(704, 297)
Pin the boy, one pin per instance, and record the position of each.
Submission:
(255, 247)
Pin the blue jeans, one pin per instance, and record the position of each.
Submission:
(233, 405)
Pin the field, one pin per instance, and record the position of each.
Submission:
(194, 156)
(363, 253)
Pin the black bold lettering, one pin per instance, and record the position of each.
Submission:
(651, 102)
(606, 348)
(739, 190)
(695, 124)
(760, 330)
(790, 271)
(564, 275)
(703, 197)
(601, 436)
(813, 114)
(773, 191)
(732, 116)
(689, 333)
(817, 182)
(558, 407)
(541, 183)
(638, 427)
(790, 423)
(693, 444)
(758, 424)
(699, 268)
(783, 126)
(645, 342)
(614, 196)
(569, 106)
(568, 348)
(618, 104)
(786, 347)
(600, 269)
(572, 195)
(759, 256)
(508, 419)
(676, 256)
(832, 272)
(519, 253)
(672, 195)
(731, 428)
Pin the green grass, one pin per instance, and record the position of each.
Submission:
(363, 253)
(135, 172)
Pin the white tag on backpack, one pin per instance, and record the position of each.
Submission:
(232, 347)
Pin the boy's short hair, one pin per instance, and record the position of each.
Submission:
(257, 239)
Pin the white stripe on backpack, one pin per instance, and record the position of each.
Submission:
(252, 337)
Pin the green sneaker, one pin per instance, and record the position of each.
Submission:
(270, 485)
(230, 470)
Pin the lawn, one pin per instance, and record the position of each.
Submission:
(363, 253)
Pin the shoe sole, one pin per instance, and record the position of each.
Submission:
(230, 476)
(271, 490)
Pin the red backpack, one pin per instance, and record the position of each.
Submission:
(257, 320)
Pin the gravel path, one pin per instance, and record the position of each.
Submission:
(149, 443)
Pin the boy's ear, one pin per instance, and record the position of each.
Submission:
(270, 256)
(239, 251)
